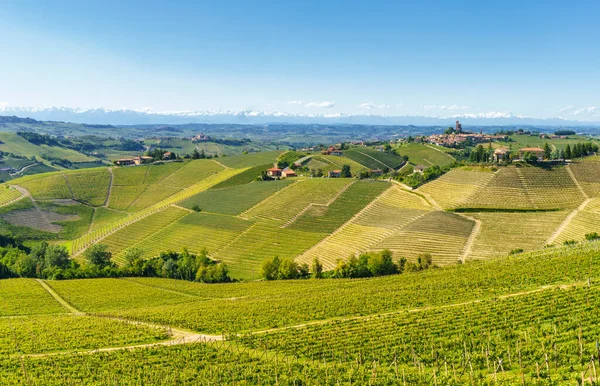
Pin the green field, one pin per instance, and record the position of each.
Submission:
(425, 155)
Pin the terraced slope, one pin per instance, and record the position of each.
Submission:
(443, 235)
(586, 220)
(195, 231)
(587, 173)
(526, 188)
(389, 212)
(501, 233)
(454, 188)
(8, 195)
(135, 233)
(373, 159)
(328, 163)
(236, 199)
(287, 203)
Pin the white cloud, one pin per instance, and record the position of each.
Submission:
(567, 108)
(591, 110)
(444, 107)
(295, 102)
(324, 104)
(371, 105)
(3, 105)
(489, 115)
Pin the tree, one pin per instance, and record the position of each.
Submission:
(530, 157)
(56, 256)
(131, 255)
(346, 171)
(270, 268)
(288, 269)
(381, 264)
(568, 153)
(98, 255)
(195, 154)
(547, 151)
(317, 268)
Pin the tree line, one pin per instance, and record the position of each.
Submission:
(45, 261)
(370, 264)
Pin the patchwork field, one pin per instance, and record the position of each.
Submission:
(373, 159)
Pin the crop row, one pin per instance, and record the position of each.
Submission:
(554, 328)
(287, 203)
(260, 305)
(26, 297)
(135, 233)
(39, 334)
(346, 205)
(83, 242)
(8, 195)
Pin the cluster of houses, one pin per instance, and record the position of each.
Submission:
(502, 154)
(200, 138)
(276, 172)
(459, 137)
(332, 150)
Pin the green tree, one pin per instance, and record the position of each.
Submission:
(288, 269)
(56, 256)
(346, 173)
(317, 268)
(568, 153)
(547, 151)
(98, 255)
(270, 268)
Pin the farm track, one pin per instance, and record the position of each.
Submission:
(180, 336)
(567, 221)
(471, 240)
(110, 188)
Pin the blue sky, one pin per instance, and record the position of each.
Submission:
(435, 58)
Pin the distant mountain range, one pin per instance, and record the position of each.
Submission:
(148, 116)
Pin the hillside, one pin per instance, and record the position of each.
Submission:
(216, 204)
(478, 323)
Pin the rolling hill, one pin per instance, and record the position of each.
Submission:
(217, 204)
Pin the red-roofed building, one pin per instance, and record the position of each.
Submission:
(539, 152)
(335, 174)
(274, 172)
(287, 172)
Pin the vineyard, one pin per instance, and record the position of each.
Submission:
(529, 318)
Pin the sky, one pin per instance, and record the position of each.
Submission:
(428, 58)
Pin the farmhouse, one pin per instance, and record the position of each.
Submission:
(274, 172)
(167, 155)
(501, 154)
(133, 161)
(335, 173)
(287, 172)
(375, 172)
(539, 153)
(125, 162)
(332, 150)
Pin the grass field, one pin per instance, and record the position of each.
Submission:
(26, 297)
(13, 143)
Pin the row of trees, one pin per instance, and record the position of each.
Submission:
(53, 262)
(366, 265)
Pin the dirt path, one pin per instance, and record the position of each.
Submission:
(25, 168)
(577, 182)
(110, 186)
(471, 240)
(567, 220)
(59, 299)
(245, 213)
(180, 336)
